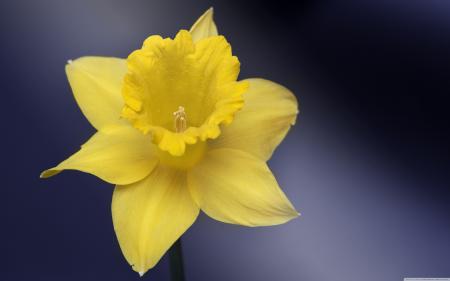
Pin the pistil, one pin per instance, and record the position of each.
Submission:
(180, 120)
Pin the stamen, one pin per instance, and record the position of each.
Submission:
(180, 120)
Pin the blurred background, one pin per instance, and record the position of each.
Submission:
(367, 164)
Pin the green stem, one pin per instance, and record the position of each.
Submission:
(176, 262)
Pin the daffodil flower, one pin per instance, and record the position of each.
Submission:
(178, 133)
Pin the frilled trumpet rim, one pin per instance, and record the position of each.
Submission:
(181, 91)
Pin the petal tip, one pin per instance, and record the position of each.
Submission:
(141, 273)
(295, 213)
(48, 173)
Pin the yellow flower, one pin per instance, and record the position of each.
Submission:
(176, 133)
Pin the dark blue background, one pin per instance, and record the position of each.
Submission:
(367, 164)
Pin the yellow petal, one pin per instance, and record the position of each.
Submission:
(150, 215)
(269, 111)
(204, 27)
(97, 84)
(120, 156)
(235, 187)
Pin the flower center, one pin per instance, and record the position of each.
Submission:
(200, 79)
(180, 120)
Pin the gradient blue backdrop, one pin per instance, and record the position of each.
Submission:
(367, 164)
